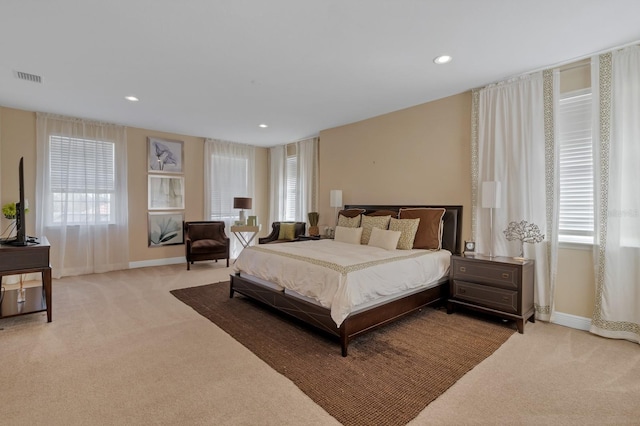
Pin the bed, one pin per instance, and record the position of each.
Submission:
(283, 289)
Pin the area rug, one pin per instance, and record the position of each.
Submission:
(390, 375)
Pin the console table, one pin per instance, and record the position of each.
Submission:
(15, 260)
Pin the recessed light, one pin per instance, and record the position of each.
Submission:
(131, 98)
(264, 126)
(442, 59)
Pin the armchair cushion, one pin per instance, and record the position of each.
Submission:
(299, 229)
(287, 231)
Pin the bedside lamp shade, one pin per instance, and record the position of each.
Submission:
(335, 198)
(491, 195)
(242, 203)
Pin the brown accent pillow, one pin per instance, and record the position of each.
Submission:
(429, 234)
(384, 213)
(351, 212)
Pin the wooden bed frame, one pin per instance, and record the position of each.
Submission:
(369, 319)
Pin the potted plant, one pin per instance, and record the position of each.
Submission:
(313, 223)
(9, 210)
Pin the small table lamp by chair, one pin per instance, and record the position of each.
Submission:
(242, 203)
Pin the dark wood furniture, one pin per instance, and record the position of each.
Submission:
(205, 240)
(362, 321)
(299, 230)
(501, 286)
(24, 260)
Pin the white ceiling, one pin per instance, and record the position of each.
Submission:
(219, 68)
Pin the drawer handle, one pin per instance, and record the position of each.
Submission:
(463, 291)
(505, 298)
(463, 269)
(505, 275)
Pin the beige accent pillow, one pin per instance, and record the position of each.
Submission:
(287, 231)
(408, 227)
(385, 239)
(429, 234)
(349, 222)
(348, 235)
(370, 222)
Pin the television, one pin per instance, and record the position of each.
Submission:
(21, 238)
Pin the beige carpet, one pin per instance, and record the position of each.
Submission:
(122, 350)
(391, 373)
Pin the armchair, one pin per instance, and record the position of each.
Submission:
(205, 240)
(274, 236)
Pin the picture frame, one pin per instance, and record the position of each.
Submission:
(165, 192)
(165, 228)
(164, 155)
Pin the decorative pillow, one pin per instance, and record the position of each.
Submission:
(349, 222)
(348, 235)
(408, 227)
(370, 222)
(385, 239)
(429, 234)
(384, 213)
(287, 231)
(351, 212)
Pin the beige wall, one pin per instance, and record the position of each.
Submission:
(422, 155)
(18, 139)
(419, 155)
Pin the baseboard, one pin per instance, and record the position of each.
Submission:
(158, 262)
(573, 321)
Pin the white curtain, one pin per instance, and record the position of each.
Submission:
(229, 172)
(306, 199)
(513, 139)
(82, 206)
(278, 183)
(616, 79)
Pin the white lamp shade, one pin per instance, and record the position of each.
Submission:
(335, 198)
(491, 195)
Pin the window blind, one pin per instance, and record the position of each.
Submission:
(576, 221)
(82, 180)
(292, 188)
(232, 176)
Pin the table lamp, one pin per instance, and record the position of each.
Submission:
(335, 200)
(242, 203)
(491, 197)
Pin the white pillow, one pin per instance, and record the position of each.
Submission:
(348, 235)
(385, 239)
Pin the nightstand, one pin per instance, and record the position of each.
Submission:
(501, 286)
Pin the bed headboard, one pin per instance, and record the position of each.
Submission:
(451, 234)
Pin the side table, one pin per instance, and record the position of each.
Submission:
(501, 286)
(245, 233)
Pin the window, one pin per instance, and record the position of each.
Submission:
(232, 176)
(82, 181)
(576, 168)
(291, 179)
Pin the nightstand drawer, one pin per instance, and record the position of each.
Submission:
(491, 297)
(502, 275)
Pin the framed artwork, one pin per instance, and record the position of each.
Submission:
(164, 156)
(166, 229)
(166, 192)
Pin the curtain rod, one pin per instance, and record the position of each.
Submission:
(579, 58)
(560, 64)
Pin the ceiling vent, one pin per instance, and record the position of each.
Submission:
(29, 77)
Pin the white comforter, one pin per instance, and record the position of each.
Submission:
(342, 276)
